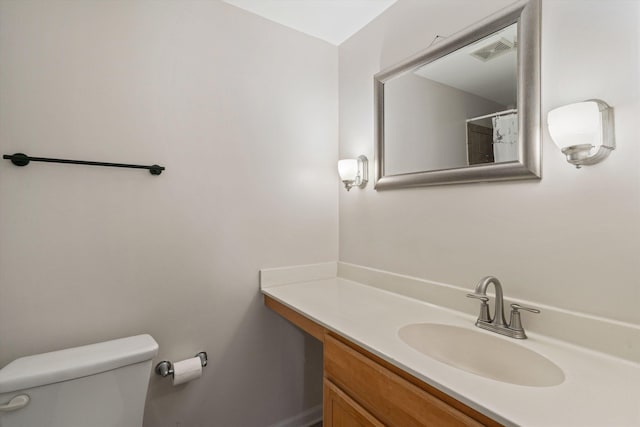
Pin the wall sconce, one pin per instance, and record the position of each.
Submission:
(584, 131)
(353, 172)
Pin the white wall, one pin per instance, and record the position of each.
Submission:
(571, 240)
(243, 114)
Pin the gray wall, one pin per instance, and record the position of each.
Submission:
(571, 240)
(243, 113)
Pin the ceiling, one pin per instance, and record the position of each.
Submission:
(331, 20)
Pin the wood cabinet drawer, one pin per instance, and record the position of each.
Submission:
(389, 397)
(342, 411)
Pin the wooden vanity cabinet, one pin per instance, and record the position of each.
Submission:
(363, 390)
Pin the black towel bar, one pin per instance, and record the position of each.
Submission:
(20, 159)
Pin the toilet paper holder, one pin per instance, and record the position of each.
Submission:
(165, 368)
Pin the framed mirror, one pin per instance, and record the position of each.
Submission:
(466, 109)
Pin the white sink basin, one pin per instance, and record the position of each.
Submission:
(482, 354)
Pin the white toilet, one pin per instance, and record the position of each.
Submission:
(98, 385)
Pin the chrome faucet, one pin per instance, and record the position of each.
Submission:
(498, 323)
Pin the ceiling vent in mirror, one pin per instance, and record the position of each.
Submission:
(493, 50)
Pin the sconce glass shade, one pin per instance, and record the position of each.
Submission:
(348, 169)
(353, 172)
(583, 131)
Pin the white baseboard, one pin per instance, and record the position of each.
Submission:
(303, 419)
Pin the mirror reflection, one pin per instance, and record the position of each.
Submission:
(457, 111)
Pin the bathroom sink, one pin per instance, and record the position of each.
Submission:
(482, 354)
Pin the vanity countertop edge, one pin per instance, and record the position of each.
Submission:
(371, 317)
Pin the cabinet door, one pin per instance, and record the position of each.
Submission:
(342, 411)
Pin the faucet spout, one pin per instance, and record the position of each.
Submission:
(481, 289)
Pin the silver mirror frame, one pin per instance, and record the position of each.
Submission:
(529, 165)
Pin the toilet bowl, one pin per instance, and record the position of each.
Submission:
(97, 385)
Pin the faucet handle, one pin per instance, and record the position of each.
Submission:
(484, 307)
(515, 323)
(517, 307)
(482, 298)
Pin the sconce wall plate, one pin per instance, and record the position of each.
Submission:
(583, 131)
(354, 172)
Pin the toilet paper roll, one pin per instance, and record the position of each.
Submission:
(187, 370)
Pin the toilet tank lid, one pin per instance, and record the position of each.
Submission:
(77, 362)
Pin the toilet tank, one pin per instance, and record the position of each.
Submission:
(97, 385)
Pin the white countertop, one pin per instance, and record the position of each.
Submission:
(599, 390)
